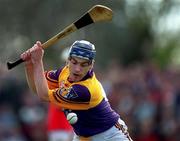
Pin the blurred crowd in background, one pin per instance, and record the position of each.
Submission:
(147, 98)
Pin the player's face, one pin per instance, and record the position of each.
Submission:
(78, 68)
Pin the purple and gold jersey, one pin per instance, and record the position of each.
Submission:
(86, 98)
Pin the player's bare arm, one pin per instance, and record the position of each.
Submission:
(35, 70)
(28, 69)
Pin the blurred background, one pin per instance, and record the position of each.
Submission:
(137, 61)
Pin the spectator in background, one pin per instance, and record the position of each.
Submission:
(10, 128)
(32, 114)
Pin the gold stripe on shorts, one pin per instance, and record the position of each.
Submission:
(85, 138)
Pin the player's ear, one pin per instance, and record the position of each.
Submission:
(67, 61)
(92, 65)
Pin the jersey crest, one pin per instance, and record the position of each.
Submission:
(66, 91)
(71, 94)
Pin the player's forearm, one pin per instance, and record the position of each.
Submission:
(29, 76)
(40, 81)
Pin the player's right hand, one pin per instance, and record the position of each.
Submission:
(33, 54)
(37, 53)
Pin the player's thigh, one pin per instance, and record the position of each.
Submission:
(113, 134)
(118, 132)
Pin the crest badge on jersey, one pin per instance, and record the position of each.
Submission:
(66, 92)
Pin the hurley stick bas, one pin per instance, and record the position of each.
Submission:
(97, 13)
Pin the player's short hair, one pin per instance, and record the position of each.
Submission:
(83, 49)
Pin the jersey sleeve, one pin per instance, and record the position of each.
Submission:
(52, 78)
(76, 97)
